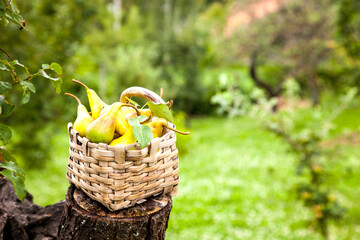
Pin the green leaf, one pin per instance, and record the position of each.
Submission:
(56, 81)
(45, 66)
(2, 5)
(4, 22)
(6, 108)
(29, 85)
(56, 68)
(137, 120)
(16, 63)
(5, 134)
(4, 86)
(13, 7)
(13, 172)
(3, 67)
(57, 84)
(6, 156)
(132, 102)
(160, 110)
(26, 97)
(18, 180)
(45, 75)
(142, 133)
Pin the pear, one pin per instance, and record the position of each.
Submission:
(146, 112)
(127, 110)
(95, 102)
(157, 127)
(102, 129)
(125, 139)
(121, 124)
(83, 118)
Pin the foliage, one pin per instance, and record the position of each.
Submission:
(305, 139)
(142, 133)
(9, 12)
(282, 43)
(232, 91)
(160, 110)
(20, 75)
(348, 23)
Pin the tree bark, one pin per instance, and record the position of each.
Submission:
(26, 220)
(84, 218)
(271, 92)
(314, 88)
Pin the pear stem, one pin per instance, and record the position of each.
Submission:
(161, 92)
(78, 100)
(147, 119)
(175, 130)
(76, 81)
(170, 103)
(138, 113)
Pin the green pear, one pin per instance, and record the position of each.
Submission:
(83, 118)
(102, 129)
(95, 102)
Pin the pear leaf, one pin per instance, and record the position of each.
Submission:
(45, 75)
(6, 108)
(6, 156)
(3, 67)
(160, 110)
(28, 85)
(45, 66)
(5, 134)
(56, 68)
(13, 172)
(25, 97)
(132, 102)
(142, 133)
(16, 63)
(56, 81)
(4, 86)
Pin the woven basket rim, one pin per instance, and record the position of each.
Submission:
(128, 146)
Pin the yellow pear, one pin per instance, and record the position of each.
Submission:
(146, 112)
(157, 127)
(95, 102)
(122, 124)
(127, 110)
(125, 139)
(83, 118)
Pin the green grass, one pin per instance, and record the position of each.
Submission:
(236, 182)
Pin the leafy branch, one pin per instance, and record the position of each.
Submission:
(9, 12)
(20, 74)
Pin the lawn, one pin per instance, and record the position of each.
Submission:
(236, 182)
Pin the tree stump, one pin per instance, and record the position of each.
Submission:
(84, 218)
(26, 220)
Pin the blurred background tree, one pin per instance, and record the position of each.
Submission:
(181, 46)
(210, 56)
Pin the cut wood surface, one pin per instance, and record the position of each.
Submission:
(84, 218)
(79, 217)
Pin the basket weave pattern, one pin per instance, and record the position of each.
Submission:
(121, 176)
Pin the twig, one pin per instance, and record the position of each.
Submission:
(7, 54)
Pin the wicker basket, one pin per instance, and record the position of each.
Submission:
(124, 175)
